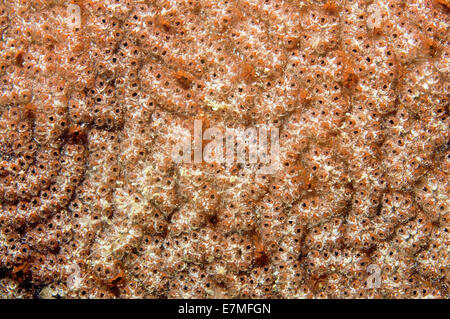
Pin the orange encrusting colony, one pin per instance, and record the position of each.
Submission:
(93, 205)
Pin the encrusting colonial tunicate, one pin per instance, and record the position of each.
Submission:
(95, 95)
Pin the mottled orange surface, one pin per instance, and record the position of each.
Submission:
(93, 205)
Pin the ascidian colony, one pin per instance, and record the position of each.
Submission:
(92, 100)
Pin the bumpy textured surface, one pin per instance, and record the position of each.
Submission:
(92, 205)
